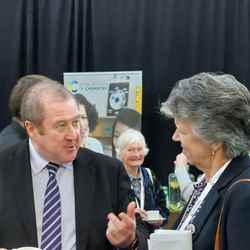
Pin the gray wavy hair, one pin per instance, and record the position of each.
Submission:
(217, 105)
(128, 137)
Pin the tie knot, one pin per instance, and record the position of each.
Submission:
(52, 167)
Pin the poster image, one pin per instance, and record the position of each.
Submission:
(117, 98)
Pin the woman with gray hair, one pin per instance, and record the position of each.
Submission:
(212, 117)
(131, 150)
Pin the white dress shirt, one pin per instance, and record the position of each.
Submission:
(65, 179)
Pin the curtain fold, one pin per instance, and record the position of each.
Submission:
(167, 39)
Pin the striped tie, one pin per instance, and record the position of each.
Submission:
(51, 228)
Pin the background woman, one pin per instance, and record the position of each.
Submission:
(88, 114)
(183, 176)
(131, 150)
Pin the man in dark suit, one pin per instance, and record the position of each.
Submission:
(92, 190)
(15, 131)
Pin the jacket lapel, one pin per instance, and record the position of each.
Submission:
(206, 209)
(84, 177)
(23, 192)
(234, 169)
(215, 195)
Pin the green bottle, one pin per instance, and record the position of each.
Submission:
(174, 194)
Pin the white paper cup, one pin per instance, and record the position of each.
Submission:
(170, 240)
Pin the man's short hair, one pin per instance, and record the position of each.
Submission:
(19, 90)
(32, 107)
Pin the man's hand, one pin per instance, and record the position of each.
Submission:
(121, 229)
(141, 212)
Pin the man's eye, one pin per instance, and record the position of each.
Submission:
(60, 125)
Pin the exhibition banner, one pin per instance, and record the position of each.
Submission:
(111, 93)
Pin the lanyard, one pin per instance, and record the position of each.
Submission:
(203, 195)
(142, 196)
(196, 206)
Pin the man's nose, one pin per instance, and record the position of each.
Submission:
(73, 132)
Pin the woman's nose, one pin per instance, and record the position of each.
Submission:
(175, 136)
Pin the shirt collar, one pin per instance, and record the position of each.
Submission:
(219, 172)
(137, 177)
(215, 178)
(38, 163)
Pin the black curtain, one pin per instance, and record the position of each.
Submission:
(167, 39)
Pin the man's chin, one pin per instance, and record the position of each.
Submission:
(70, 156)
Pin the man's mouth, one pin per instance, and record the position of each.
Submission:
(72, 147)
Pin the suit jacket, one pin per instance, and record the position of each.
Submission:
(11, 135)
(101, 186)
(235, 229)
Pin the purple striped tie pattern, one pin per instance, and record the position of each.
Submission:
(51, 238)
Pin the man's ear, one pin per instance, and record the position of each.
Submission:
(29, 128)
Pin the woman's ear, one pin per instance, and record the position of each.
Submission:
(216, 146)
